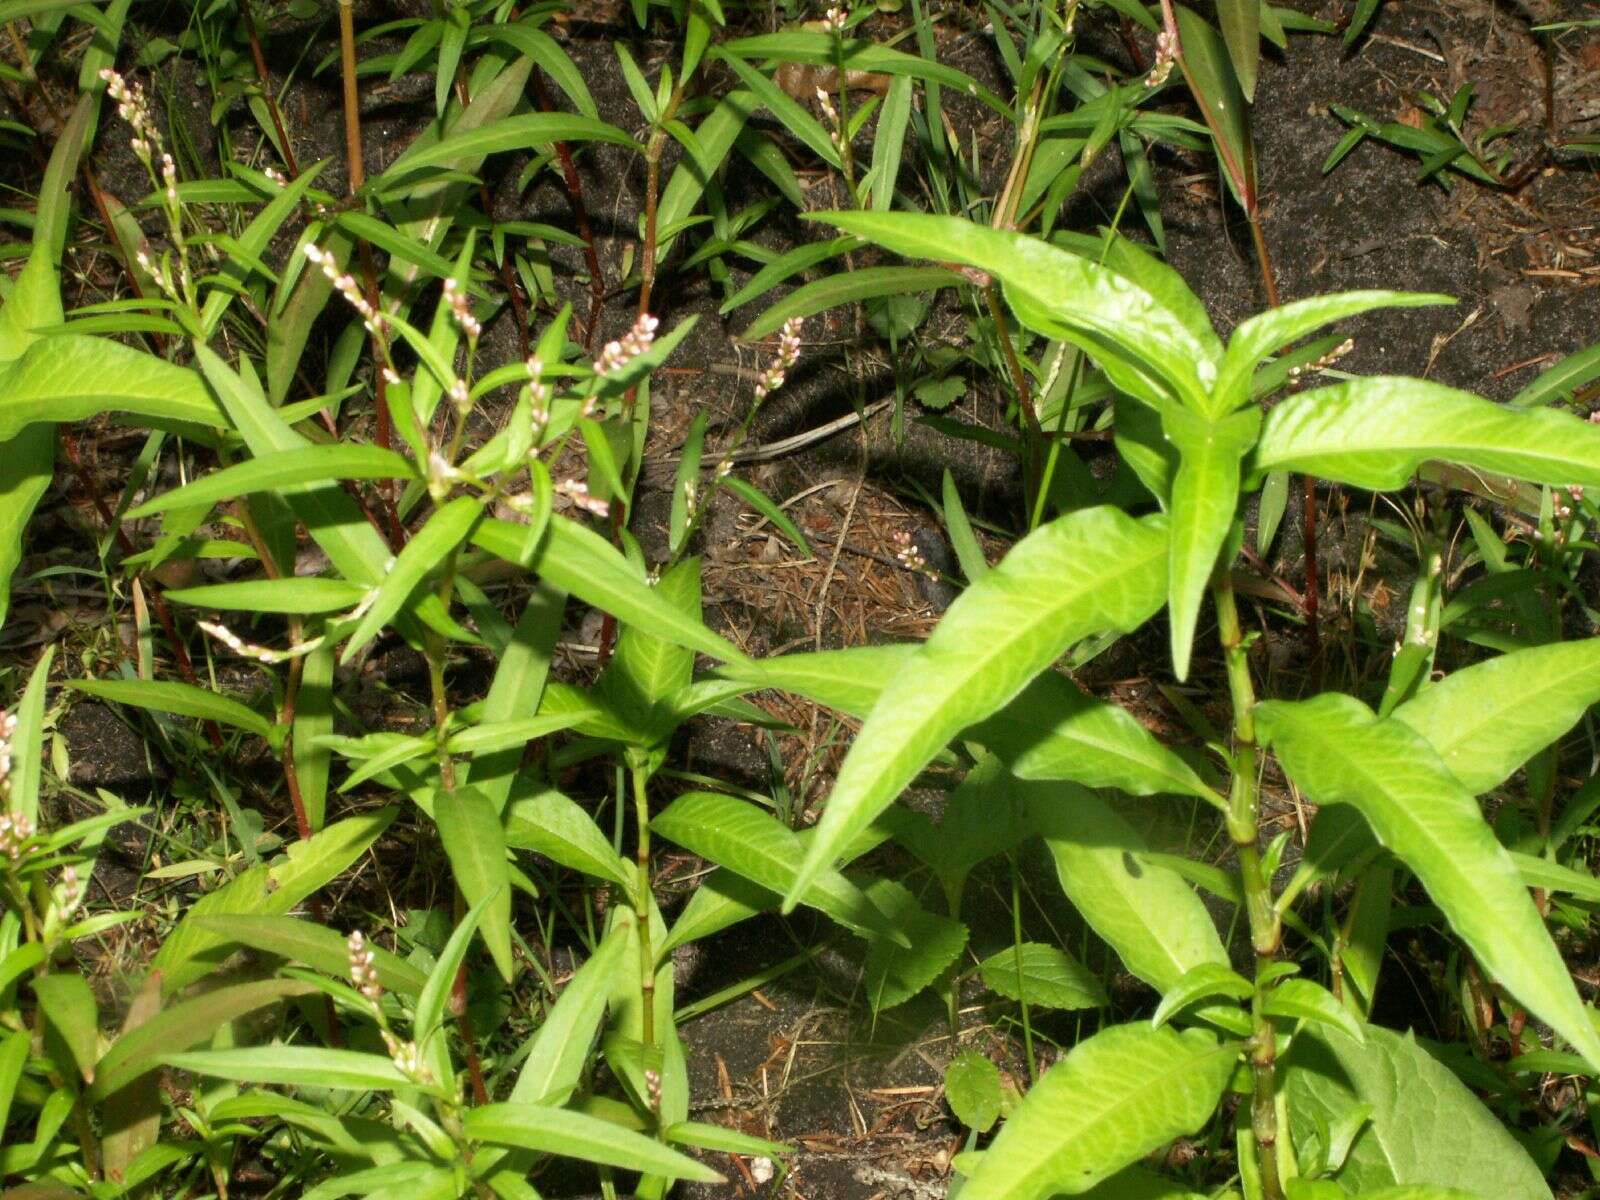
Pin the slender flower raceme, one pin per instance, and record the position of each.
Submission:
(618, 354)
(783, 362)
(346, 286)
(461, 309)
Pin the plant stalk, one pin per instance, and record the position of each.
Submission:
(641, 919)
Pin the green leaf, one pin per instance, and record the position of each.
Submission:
(1044, 976)
(69, 1008)
(1086, 573)
(425, 553)
(647, 671)
(185, 1024)
(1144, 911)
(785, 266)
(1205, 495)
(972, 1086)
(1485, 721)
(27, 742)
(1426, 1128)
(298, 595)
(1304, 1000)
(73, 378)
(475, 843)
(14, 1049)
(574, 1135)
(737, 835)
(27, 465)
(582, 563)
(549, 823)
(430, 1011)
(303, 941)
(1134, 337)
(898, 969)
(1241, 31)
(302, 1066)
(1054, 730)
(559, 1052)
(1338, 752)
(508, 133)
(307, 464)
(1568, 375)
(1116, 1097)
(848, 287)
(1374, 433)
(1223, 104)
(705, 1136)
(1259, 337)
(1201, 982)
(181, 699)
(849, 680)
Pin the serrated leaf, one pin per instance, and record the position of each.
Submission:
(896, 972)
(1426, 1128)
(1089, 572)
(1044, 976)
(972, 1087)
(1375, 433)
(1116, 1097)
(1485, 721)
(1338, 752)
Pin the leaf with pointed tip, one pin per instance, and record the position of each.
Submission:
(475, 843)
(559, 1052)
(507, 133)
(1259, 337)
(67, 1003)
(1044, 976)
(1201, 982)
(423, 554)
(849, 680)
(1117, 1096)
(1241, 31)
(928, 945)
(1375, 433)
(1306, 1000)
(1338, 752)
(306, 464)
(576, 1135)
(302, 1066)
(1205, 495)
(1426, 1127)
(1485, 721)
(1089, 572)
(1054, 730)
(552, 824)
(181, 699)
(300, 940)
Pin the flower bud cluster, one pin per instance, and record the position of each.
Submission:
(363, 968)
(907, 553)
(68, 893)
(8, 730)
(788, 354)
(835, 19)
(1326, 361)
(578, 492)
(346, 286)
(461, 308)
(15, 830)
(538, 396)
(133, 108)
(1166, 55)
(616, 355)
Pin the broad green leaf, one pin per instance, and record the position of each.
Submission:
(184, 1024)
(737, 835)
(849, 680)
(984, 817)
(1259, 337)
(1205, 495)
(1241, 32)
(647, 671)
(307, 464)
(1375, 433)
(303, 941)
(1338, 752)
(972, 1087)
(549, 823)
(1044, 976)
(189, 951)
(27, 465)
(1086, 573)
(73, 378)
(1054, 730)
(69, 1008)
(508, 133)
(1144, 911)
(299, 595)
(848, 287)
(303, 1066)
(1136, 1183)
(1426, 1128)
(14, 1049)
(1223, 104)
(1485, 721)
(582, 563)
(1059, 294)
(574, 1135)
(1116, 1097)
(474, 841)
(180, 699)
(559, 1052)
(1139, 265)
(928, 944)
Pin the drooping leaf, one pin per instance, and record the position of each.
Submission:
(1338, 752)
(1426, 1128)
(1089, 572)
(1117, 1096)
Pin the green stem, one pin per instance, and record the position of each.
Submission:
(641, 917)
(1265, 927)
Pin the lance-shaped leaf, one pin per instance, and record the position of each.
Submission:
(1082, 574)
(1058, 293)
(181, 699)
(303, 1066)
(1375, 432)
(304, 464)
(1485, 721)
(1338, 752)
(1117, 1096)
(423, 554)
(1205, 493)
(1241, 31)
(69, 1008)
(576, 1135)
(303, 941)
(850, 680)
(1263, 335)
(475, 842)
(1054, 730)
(1426, 1128)
(559, 1052)
(508, 133)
